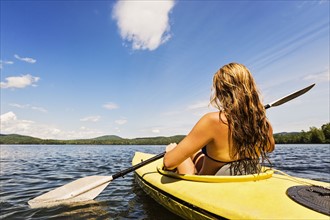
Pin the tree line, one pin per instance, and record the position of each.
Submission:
(313, 136)
(21, 139)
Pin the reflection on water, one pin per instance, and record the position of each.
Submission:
(29, 171)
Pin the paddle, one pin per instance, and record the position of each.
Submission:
(87, 188)
(289, 97)
(83, 189)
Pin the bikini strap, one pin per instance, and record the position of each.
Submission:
(205, 153)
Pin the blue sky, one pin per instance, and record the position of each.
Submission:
(82, 69)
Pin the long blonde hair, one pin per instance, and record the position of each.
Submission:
(237, 96)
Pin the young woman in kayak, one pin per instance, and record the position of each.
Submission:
(231, 141)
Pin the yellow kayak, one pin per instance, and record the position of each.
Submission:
(264, 196)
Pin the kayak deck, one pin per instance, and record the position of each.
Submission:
(260, 199)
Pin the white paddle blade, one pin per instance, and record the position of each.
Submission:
(80, 190)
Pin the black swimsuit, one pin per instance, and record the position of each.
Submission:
(226, 168)
(205, 153)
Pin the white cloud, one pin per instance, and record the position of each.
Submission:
(19, 81)
(11, 124)
(4, 62)
(25, 59)
(121, 121)
(198, 105)
(91, 118)
(323, 76)
(143, 23)
(40, 109)
(81, 133)
(9, 116)
(200, 108)
(110, 106)
(156, 131)
(28, 106)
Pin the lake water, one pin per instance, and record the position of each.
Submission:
(31, 170)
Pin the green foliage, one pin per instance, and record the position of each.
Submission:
(317, 136)
(108, 137)
(313, 136)
(326, 131)
(18, 139)
(104, 140)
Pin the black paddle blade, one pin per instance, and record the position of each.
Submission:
(289, 97)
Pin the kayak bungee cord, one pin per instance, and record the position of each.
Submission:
(296, 179)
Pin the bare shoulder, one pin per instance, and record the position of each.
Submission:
(214, 117)
(211, 121)
(214, 125)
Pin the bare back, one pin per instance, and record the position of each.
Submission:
(218, 148)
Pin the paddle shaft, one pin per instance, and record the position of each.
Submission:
(130, 169)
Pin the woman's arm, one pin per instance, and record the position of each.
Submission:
(199, 136)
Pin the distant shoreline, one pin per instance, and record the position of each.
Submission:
(17, 139)
(313, 136)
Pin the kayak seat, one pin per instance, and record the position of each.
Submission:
(226, 170)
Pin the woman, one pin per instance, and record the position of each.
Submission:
(231, 141)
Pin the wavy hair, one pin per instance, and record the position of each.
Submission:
(236, 95)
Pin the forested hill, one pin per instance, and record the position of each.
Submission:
(103, 140)
(314, 136)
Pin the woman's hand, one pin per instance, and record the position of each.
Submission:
(170, 147)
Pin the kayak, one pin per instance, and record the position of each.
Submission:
(268, 195)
